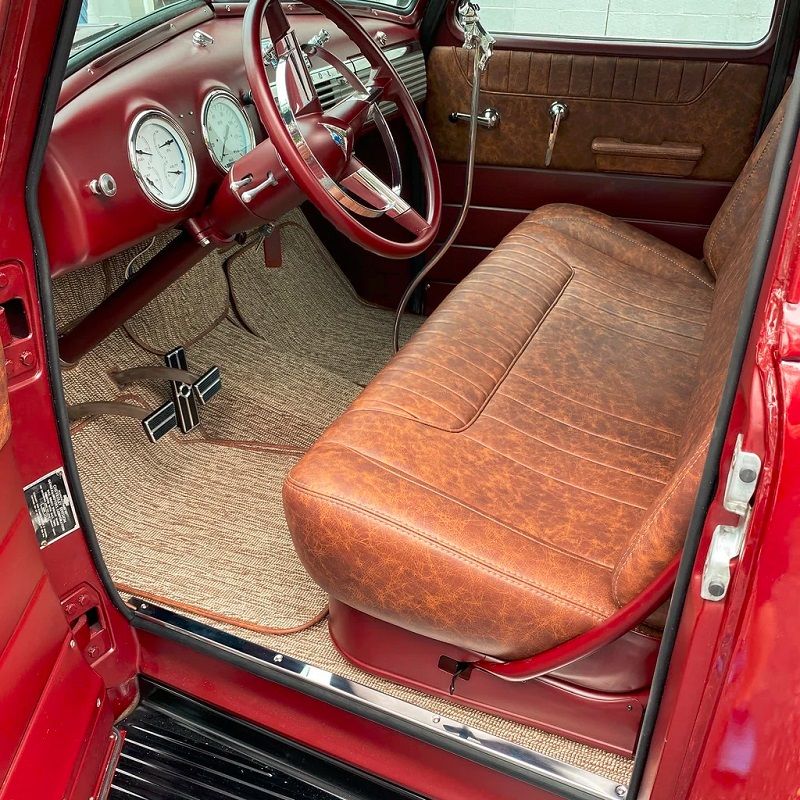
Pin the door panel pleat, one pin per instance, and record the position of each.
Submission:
(715, 105)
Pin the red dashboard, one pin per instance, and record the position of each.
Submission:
(170, 71)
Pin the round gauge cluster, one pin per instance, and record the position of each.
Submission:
(162, 159)
(226, 128)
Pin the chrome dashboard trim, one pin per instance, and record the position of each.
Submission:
(221, 91)
(191, 164)
(536, 768)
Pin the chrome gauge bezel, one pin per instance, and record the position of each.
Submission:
(180, 136)
(207, 100)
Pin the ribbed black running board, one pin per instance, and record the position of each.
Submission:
(178, 749)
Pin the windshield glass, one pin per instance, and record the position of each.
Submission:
(117, 20)
(100, 18)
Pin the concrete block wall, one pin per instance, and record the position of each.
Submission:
(733, 21)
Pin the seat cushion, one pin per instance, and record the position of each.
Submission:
(483, 487)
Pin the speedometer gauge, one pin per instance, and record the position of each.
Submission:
(226, 128)
(161, 157)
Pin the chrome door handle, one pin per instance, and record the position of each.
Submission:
(489, 119)
(558, 112)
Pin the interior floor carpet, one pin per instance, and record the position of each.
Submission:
(196, 522)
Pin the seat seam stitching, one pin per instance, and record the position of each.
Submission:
(622, 236)
(460, 555)
(580, 299)
(395, 368)
(423, 396)
(576, 455)
(606, 279)
(628, 335)
(584, 430)
(637, 537)
(617, 299)
(550, 477)
(491, 518)
(436, 365)
(594, 408)
(740, 193)
(437, 324)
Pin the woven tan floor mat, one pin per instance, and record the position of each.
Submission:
(326, 322)
(196, 521)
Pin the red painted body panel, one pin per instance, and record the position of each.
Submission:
(56, 711)
(726, 658)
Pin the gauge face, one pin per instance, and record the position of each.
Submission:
(226, 128)
(162, 159)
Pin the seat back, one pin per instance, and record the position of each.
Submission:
(728, 252)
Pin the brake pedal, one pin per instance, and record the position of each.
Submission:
(160, 422)
(207, 385)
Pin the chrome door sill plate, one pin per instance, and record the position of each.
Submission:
(536, 768)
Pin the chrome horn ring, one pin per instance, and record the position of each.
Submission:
(376, 115)
(394, 204)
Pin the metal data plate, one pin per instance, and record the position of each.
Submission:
(50, 505)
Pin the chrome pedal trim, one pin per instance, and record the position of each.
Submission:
(489, 750)
(207, 385)
(160, 422)
(182, 396)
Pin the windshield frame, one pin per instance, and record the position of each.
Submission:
(125, 33)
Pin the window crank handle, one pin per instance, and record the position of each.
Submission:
(558, 112)
(489, 119)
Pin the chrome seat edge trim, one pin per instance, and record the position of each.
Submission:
(447, 733)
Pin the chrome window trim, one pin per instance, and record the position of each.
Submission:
(537, 768)
(221, 91)
(191, 166)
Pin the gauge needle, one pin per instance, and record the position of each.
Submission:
(176, 172)
(224, 142)
(150, 182)
(169, 141)
(143, 153)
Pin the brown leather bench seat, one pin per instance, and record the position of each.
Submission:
(528, 462)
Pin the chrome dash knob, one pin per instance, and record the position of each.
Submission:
(104, 185)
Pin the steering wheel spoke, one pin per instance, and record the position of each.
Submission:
(352, 112)
(368, 187)
(315, 147)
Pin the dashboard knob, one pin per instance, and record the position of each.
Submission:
(103, 185)
(202, 39)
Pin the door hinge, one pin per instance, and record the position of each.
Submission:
(727, 540)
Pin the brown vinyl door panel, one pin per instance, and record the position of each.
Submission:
(617, 107)
(654, 137)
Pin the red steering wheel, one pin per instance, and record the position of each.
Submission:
(316, 146)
